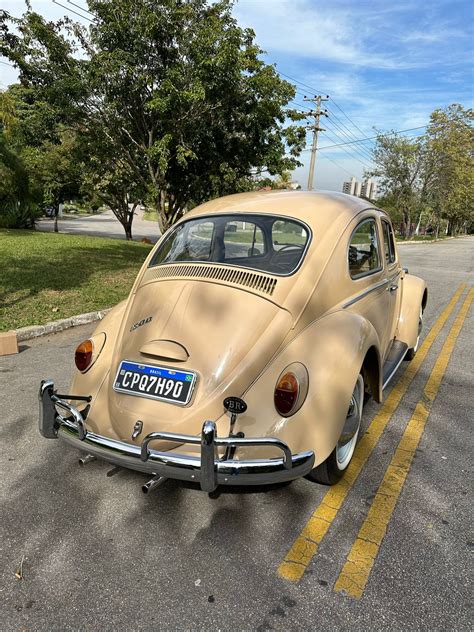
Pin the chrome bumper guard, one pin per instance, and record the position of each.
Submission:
(208, 470)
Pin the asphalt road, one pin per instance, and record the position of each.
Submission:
(102, 225)
(99, 555)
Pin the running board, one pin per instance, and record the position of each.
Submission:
(393, 361)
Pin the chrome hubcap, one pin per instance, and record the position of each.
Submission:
(347, 441)
(420, 327)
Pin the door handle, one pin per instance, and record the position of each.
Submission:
(392, 288)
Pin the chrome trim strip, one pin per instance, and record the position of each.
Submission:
(207, 469)
(365, 293)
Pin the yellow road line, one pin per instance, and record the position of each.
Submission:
(306, 544)
(356, 571)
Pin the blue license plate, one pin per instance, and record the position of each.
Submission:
(155, 382)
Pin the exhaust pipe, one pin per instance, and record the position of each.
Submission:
(155, 482)
(84, 460)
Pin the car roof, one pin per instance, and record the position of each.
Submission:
(314, 208)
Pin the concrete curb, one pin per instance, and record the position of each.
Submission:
(415, 242)
(26, 333)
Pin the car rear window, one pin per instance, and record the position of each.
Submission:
(260, 242)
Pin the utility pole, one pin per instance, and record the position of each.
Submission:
(317, 113)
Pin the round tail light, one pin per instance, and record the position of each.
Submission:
(84, 354)
(286, 393)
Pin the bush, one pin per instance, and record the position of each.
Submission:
(15, 215)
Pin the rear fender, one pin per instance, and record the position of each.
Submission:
(414, 297)
(88, 383)
(333, 350)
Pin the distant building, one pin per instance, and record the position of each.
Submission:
(349, 187)
(367, 189)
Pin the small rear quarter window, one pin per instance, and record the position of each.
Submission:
(364, 251)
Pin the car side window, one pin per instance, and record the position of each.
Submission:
(364, 257)
(388, 241)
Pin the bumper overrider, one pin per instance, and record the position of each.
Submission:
(208, 470)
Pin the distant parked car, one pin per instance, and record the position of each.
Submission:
(252, 334)
(49, 211)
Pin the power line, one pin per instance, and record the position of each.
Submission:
(5, 63)
(349, 131)
(79, 7)
(348, 152)
(305, 85)
(362, 151)
(72, 11)
(347, 117)
(363, 140)
(338, 166)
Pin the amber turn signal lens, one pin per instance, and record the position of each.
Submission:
(83, 355)
(286, 393)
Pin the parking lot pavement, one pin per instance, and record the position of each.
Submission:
(99, 555)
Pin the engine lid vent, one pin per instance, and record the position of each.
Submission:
(253, 280)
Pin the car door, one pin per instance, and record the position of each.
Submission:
(372, 294)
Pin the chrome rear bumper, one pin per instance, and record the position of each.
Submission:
(208, 470)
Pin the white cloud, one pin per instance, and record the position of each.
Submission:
(306, 29)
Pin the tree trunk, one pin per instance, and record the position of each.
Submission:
(127, 226)
(56, 214)
(407, 221)
(417, 230)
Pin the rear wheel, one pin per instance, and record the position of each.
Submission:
(332, 469)
(410, 354)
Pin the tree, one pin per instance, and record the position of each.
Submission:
(55, 171)
(109, 178)
(176, 87)
(17, 206)
(400, 166)
(45, 148)
(283, 180)
(431, 177)
(450, 142)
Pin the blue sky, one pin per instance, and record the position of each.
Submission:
(387, 65)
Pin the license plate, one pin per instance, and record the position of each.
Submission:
(155, 382)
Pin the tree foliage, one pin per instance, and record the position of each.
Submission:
(450, 143)
(39, 153)
(399, 167)
(170, 98)
(432, 176)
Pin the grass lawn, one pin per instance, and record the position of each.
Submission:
(150, 216)
(45, 276)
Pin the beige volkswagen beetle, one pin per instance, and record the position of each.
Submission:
(253, 333)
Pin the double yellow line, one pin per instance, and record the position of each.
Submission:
(355, 574)
(306, 544)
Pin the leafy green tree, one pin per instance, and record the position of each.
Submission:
(17, 206)
(45, 148)
(176, 87)
(55, 171)
(403, 180)
(450, 143)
